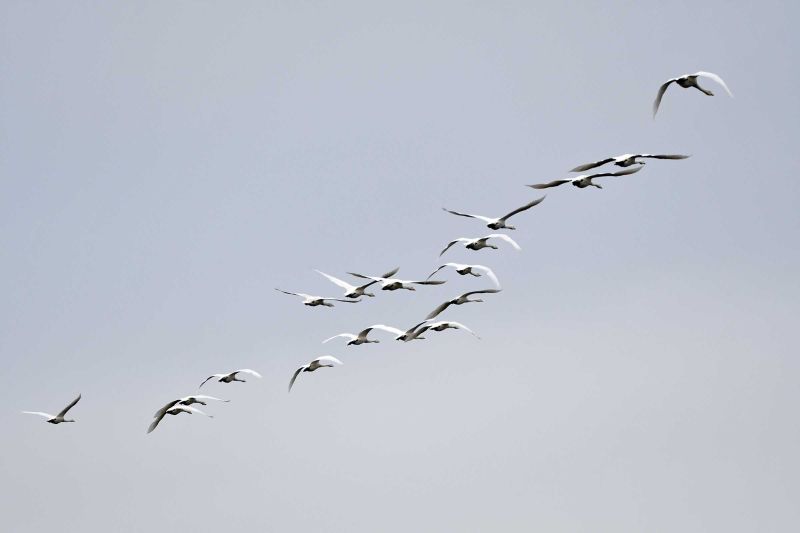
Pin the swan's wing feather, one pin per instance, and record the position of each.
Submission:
(660, 95)
(717, 79)
(435, 271)
(523, 208)
(389, 329)
(161, 412)
(346, 335)
(328, 359)
(548, 185)
(343, 284)
(663, 156)
(70, 406)
(506, 238)
(248, 371)
(451, 245)
(489, 273)
(38, 413)
(436, 312)
(294, 377)
(588, 166)
(479, 217)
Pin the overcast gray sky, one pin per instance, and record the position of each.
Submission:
(165, 165)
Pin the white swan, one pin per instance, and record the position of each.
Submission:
(231, 376)
(356, 339)
(59, 418)
(352, 291)
(176, 410)
(626, 160)
(499, 222)
(326, 361)
(465, 270)
(314, 301)
(686, 81)
(585, 180)
(448, 324)
(481, 242)
(463, 299)
(393, 284)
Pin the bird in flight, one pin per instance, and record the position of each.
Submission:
(314, 301)
(389, 283)
(626, 160)
(326, 361)
(175, 410)
(500, 222)
(686, 81)
(352, 291)
(230, 377)
(465, 270)
(481, 242)
(448, 324)
(463, 299)
(356, 339)
(585, 180)
(59, 418)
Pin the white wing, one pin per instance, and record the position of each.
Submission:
(343, 284)
(70, 406)
(39, 413)
(328, 359)
(488, 272)
(458, 325)
(297, 294)
(247, 371)
(390, 329)
(190, 409)
(479, 217)
(660, 95)
(504, 237)
(348, 336)
(717, 79)
(460, 239)
(203, 397)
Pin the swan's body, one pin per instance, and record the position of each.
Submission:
(353, 291)
(59, 418)
(686, 81)
(463, 299)
(356, 339)
(175, 410)
(448, 324)
(314, 301)
(480, 243)
(231, 376)
(626, 160)
(465, 270)
(499, 222)
(389, 283)
(326, 361)
(585, 180)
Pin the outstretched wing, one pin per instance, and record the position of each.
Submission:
(479, 217)
(437, 270)
(294, 377)
(346, 335)
(660, 95)
(38, 413)
(587, 166)
(436, 312)
(161, 412)
(328, 359)
(343, 284)
(391, 273)
(523, 208)
(70, 406)
(341, 300)
(373, 278)
(717, 79)
(489, 273)
(295, 293)
(459, 325)
(663, 156)
(247, 371)
(209, 377)
(389, 329)
(154, 424)
(428, 282)
(554, 183)
(189, 409)
(461, 239)
(484, 291)
(631, 170)
(504, 237)
(204, 397)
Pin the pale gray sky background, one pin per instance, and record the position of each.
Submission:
(164, 165)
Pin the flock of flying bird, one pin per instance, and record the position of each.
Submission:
(630, 163)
